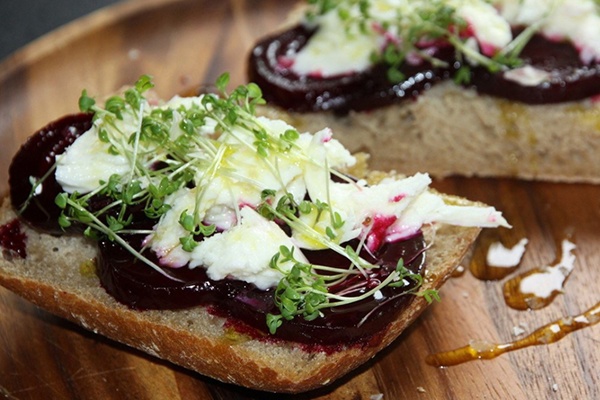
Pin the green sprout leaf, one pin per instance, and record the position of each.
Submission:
(144, 83)
(222, 82)
(188, 243)
(85, 102)
(187, 221)
(61, 200)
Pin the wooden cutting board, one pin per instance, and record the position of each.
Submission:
(183, 43)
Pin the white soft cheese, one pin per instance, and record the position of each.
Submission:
(333, 51)
(527, 75)
(324, 151)
(244, 251)
(390, 197)
(241, 177)
(406, 203)
(489, 28)
(87, 162)
(430, 208)
(165, 239)
(574, 20)
(336, 50)
(246, 174)
(38, 185)
(358, 204)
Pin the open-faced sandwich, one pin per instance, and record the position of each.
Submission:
(470, 87)
(227, 243)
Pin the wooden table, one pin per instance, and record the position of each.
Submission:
(182, 43)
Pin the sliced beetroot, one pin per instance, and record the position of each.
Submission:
(360, 91)
(138, 286)
(269, 67)
(33, 161)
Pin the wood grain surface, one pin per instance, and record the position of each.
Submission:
(184, 43)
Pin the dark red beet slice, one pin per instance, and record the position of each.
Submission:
(571, 80)
(141, 287)
(361, 91)
(33, 160)
(13, 239)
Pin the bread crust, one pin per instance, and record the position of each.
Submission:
(56, 276)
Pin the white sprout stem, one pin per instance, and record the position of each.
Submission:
(517, 44)
(310, 232)
(205, 181)
(106, 230)
(342, 300)
(136, 143)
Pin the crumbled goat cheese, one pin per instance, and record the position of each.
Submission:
(244, 251)
(87, 162)
(527, 75)
(337, 49)
(230, 177)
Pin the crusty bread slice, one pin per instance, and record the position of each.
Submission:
(470, 135)
(452, 130)
(58, 275)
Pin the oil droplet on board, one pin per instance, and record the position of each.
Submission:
(550, 333)
(499, 261)
(500, 256)
(537, 288)
(458, 272)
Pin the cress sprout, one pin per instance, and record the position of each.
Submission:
(160, 164)
(421, 22)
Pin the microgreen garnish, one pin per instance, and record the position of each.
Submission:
(85, 102)
(416, 27)
(160, 166)
(181, 149)
(307, 289)
(188, 222)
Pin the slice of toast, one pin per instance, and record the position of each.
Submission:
(470, 134)
(58, 275)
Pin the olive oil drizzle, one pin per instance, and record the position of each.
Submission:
(458, 272)
(518, 298)
(485, 267)
(547, 334)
